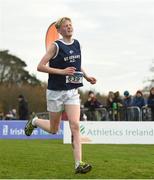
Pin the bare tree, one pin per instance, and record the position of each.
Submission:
(150, 80)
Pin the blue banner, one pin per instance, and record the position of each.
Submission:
(15, 130)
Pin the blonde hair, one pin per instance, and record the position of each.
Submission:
(60, 21)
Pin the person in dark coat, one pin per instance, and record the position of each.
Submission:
(138, 102)
(127, 100)
(22, 108)
(92, 104)
(127, 103)
(117, 107)
(150, 102)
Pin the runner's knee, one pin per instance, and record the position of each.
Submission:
(75, 127)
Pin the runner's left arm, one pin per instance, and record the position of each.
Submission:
(90, 79)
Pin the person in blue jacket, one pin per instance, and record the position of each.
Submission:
(138, 99)
(127, 104)
(127, 100)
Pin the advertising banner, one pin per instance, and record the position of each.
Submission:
(113, 132)
(15, 130)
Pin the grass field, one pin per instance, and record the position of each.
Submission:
(51, 159)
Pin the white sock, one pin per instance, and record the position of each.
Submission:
(77, 163)
(33, 121)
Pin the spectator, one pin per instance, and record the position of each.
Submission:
(117, 105)
(127, 103)
(92, 103)
(138, 99)
(109, 105)
(117, 99)
(151, 102)
(139, 102)
(110, 99)
(23, 108)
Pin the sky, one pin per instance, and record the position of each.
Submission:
(117, 37)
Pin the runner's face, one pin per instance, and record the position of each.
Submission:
(66, 29)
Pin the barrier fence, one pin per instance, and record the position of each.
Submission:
(133, 113)
(146, 114)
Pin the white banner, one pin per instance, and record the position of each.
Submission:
(113, 132)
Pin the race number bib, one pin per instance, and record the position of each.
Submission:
(76, 78)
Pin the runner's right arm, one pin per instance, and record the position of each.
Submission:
(43, 67)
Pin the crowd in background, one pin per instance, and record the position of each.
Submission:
(116, 107)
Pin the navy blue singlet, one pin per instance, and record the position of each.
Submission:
(68, 55)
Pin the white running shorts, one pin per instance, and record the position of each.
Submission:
(57, 99)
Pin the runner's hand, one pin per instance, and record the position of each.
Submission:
(92, 80)
(69, 71)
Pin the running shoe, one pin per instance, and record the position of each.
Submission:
(83, 168)
(29, 127)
